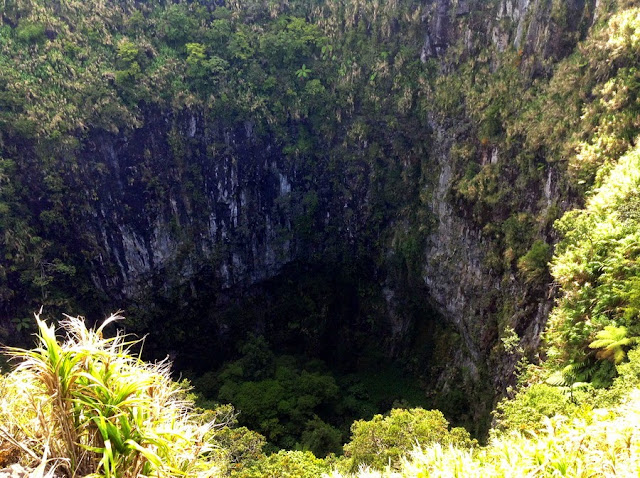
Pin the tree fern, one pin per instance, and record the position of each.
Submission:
(611, 341)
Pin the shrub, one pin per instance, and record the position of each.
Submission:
(384, 440)
(602, 443)
(31, 33)
(279, 399)
(628, 379)
(94, 409)
(239, 446)
(534, 264)
(286, 464)
(596, 265)
(321, 438)
(530, 406)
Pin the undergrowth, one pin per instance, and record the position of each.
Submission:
(594, 443)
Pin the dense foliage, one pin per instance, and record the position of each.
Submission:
(383, 441)
(301, 404)
(334, 87)
(595, 443)
(310, 80)
(597, 268)
(286, 464)
(87, 404)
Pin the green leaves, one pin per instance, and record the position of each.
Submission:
(597, 267)
(127, 51)
(31, 33)
(534, 264)
(106, 413)
(283, 402)
(611, 342)
(286, 464)
(303, 72)
(384, 440)
(22, 323)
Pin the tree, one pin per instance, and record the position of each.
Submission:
(384, 440)
(285, 464)
(303, 72)
(196, 53)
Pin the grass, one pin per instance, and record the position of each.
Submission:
(87, 406)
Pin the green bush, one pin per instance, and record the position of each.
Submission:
(286, 464)
(628, 379)
(30, 33)
(280, 399)
(321, 437)
(239, 446)
(534, 264)
(530, 405)
(384, 440)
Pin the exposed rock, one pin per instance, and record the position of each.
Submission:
(463, 8)
(462, 287)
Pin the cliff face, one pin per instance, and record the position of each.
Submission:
(230, 211)
(191, 214)
(194, 211)
(484, 303)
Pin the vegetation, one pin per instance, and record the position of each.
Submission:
(383, 441)
(286, 464)
(301, 404)
(597, 443)
(545, 168)
(284, 406)
(596, 265)
(88, 407)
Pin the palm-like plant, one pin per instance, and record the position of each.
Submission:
(303, 72)
(577, 372)
(611, 342)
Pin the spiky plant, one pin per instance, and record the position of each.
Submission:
(101, 410)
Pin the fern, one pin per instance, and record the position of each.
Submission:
(611, 342)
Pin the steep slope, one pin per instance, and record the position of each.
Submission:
(392, 168)
(521, 137)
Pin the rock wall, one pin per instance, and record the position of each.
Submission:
(230, 211)
(225, 202)
(468, 293)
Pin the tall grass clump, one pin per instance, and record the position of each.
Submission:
(90, 407)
